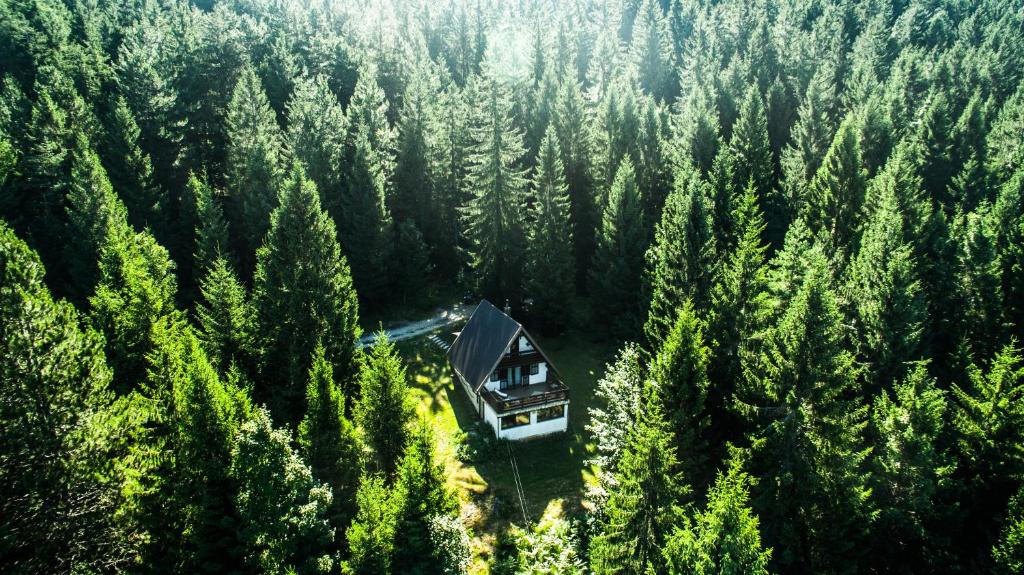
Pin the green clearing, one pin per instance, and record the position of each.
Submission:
(553, 469)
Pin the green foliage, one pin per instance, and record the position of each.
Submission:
(494, 215)
(59, 503)
(615, 277)
(836, 194)
(254, 164)
(131, 171)
(619, 394)
(371, 538)
(317, 131)
(750, 145)
(283, 524)
(211, 233)
(573, 128)
(303, 297)
(549, 547)
(725, 537)
(643, 505)
(383, 411)
(226, 318)
(1009, 552)
(328, 441)
(364, 222)
(550, 282)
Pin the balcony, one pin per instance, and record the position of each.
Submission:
(519, 397)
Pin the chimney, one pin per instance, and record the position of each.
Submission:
(508, 309)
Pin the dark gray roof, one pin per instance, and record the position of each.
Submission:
(482, 343)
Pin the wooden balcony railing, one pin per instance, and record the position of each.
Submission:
(533, 394)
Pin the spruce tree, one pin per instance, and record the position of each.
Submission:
(749, 143)
(283, 525)
(226, 318)
(650, 50)
(725, 537)
(383, 412)
(619, 258)
(368, 113)
(211, 233)
(886, 295)
(494, 216)
(328, 443)
(978, 294)
(644, 504)
(416, 155)
(317, 132)
(364, 223)
(573, 127)
(254, 165)
(421, 494)
(1008, 553)
(131, 171)
(836, 194)
(800, 400)
(619, 394)
(550, 282)
(303, 295)
(371, 537)
(680, 368)
(681, 262)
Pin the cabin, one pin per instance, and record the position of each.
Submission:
(511, 383)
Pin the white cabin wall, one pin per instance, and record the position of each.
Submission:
(535, 429)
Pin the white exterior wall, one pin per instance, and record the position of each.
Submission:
(535, 429)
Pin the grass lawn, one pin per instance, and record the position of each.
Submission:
(553, 469)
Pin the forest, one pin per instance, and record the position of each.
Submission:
(795, 227)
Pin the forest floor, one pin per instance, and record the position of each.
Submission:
(553, 470)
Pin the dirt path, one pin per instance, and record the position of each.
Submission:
(442, 317)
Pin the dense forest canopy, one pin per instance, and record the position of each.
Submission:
(799, 222)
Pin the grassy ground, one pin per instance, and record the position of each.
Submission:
(552, 469)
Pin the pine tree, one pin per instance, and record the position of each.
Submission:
(421, 494)
(1007, 219)
(551, 281)
(978, 294)
(282, 511)
(696, 132)
(364, 222)
(410, 267)
(254, 165)
(211, 233)
(59, 505)
(650, 50)
(416, 155)
(681, 262)
(725, 537)
(619, 257)
(886, 295)
(367, 114)
(328, 442)
(679, 368)
(749, 143)
(619, 394)
(912, 471)
(303, 295)
(801, 397)
(934, 135)
(226, 318)
(317, 132)
(497, 186)
(643, 506)
(450, 183)
(383, 411)
(371, 538)
(1009, 552)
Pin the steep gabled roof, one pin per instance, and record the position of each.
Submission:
(482, 343)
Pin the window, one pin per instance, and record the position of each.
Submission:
(549, 413)
(534, 368)
(517, 420)
(494, 376)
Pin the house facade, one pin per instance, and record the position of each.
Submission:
(508, 379)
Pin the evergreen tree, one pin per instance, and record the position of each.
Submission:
(978, 294)
(889, 304)
(60, 503)
(317, 132)
(254, 164)
(643, 505)
(619, 394)
(410, 267)
(131, 171)
(416, 155)
(211, 233)
(750, 145)
(802, 395)
(1009, 552)
(303, 295)
(383, 411)
(573, 128)
(364, 222)
(328, 443)
(836, 194)
(226, 318)
(650, 50)
(549, 258)
(681, 262)
(282, 511)
(679, 368)
(912, 472)
(619, 258)
(371, 538)
(494, 219)
(725, 537)
(421, 494)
